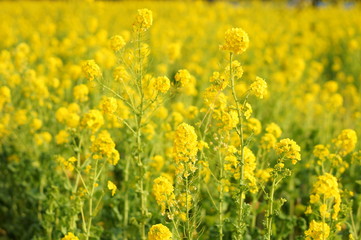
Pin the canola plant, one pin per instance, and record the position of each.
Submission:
(179, 120)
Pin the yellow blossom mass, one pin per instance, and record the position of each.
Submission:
(91, 70)
(70, 236)
(159, 232)
(236, 41)
(144, 120)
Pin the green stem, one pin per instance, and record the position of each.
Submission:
(175, 224)
(291, 186)
(78, 164)
(139, 143)
(91, 201)
(354, 230)
(240, 134)
(83, 217)
(126, 200)
(270, 211)
(220, 208)
(254, 215)
(141, 180)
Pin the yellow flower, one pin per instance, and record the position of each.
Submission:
(104, 145)
(80, 93)
(327, 186)
(232, 165)
(108, 105)
(117, 43)
(159, 232)
(253, 125)
(157, 162)
(21, 117)
(264, 175)
(247, 110)
(185, 143)
(323, 211)
(236, 41)
(161, 84)
(274, 129)
(43, 137)
(346, 141)
(143, 20)
(70, 236)
(321, 151)
(230, 120)
(36, 124)
(5, 96)
(91, 70)
(259, 87)
(308, 210)
(317, 231)
(237, 70)
(314, 198)
(62, 137)
(174, 51)
(67, 164)
(183, 76)
(61, 114)
(289, 149)
(268, 141)
(249, 168)
(92, 120)
(120, 74)
(112, 187)
(163, 192)
(72, 120)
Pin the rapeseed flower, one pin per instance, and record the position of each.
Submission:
(317, 231)
(91, 70)
(159, 232)
(236, 41)
(112, 187)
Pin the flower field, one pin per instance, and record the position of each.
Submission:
(179, 120)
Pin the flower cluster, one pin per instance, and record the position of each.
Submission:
(108, 105)
(163, 192)
(143, 20)
(236, 41)
(269, 139)
(289, 150)
(232, 165)
(104, 146)
(259, 87)
(120, 74)
(5, 96)
(70, 236)
(321, 151)
(185, 143)
(326, 188)
(317, 231)
(92, 120)
(183, 76)
(117, 43)
(80, 93)
(160, 84)
(91, 70)
(159, 232)
(68, 115)
(345, 141)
